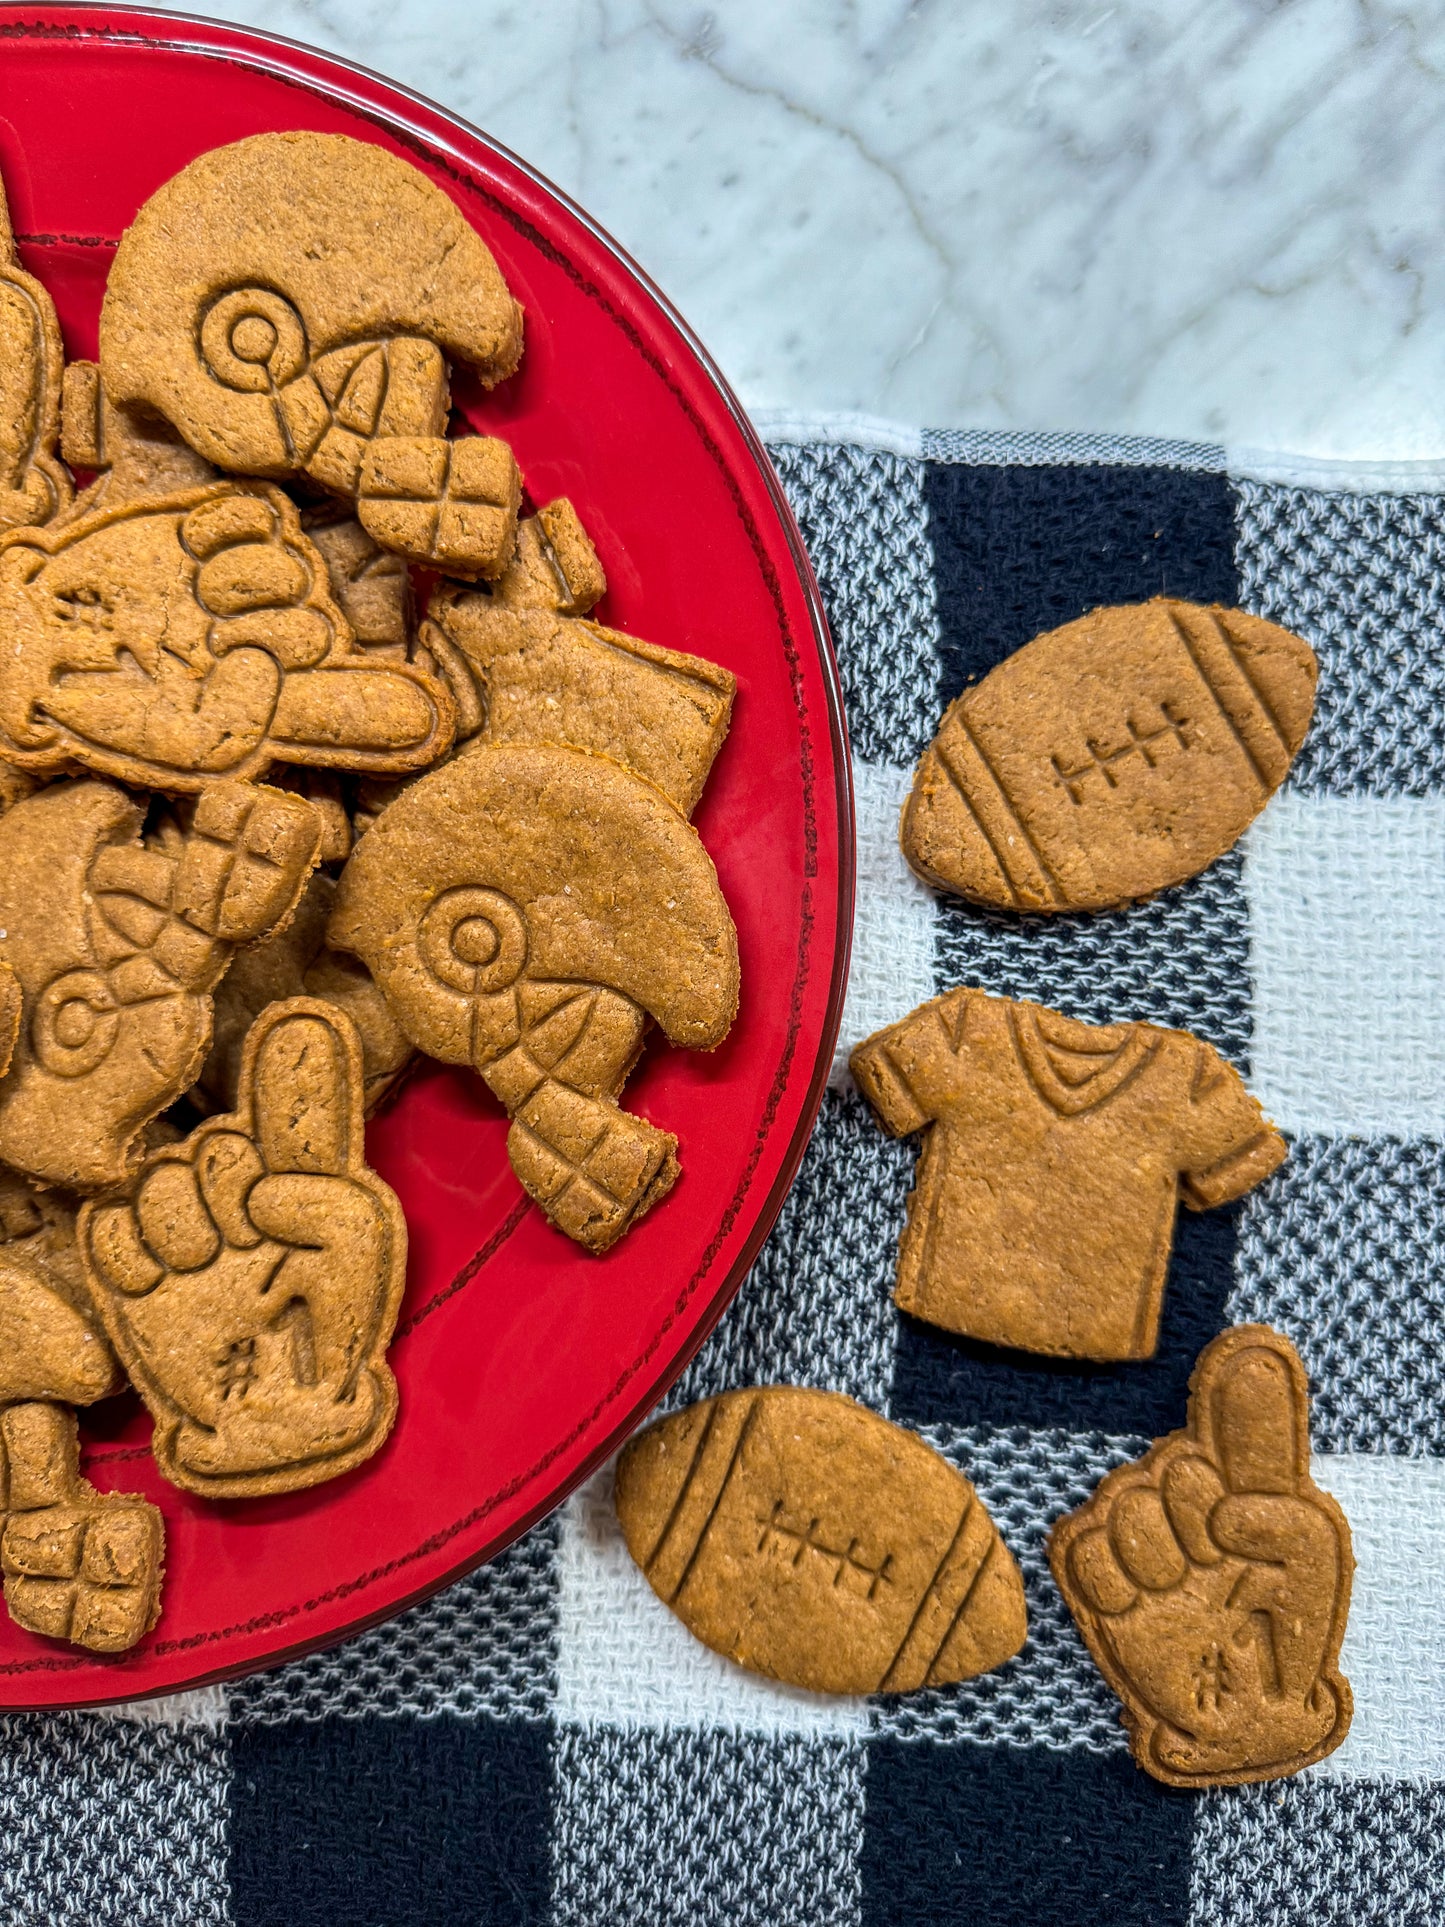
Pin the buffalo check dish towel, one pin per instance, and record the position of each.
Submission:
(543, 1742)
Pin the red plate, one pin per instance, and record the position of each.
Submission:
(521, 1361)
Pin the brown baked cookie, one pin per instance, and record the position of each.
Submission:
(251, 1280)
(297, 963)
(136, 457)
(522, 666)
(117, 944)
(79, 1564)
(34, 486)
(525, 909)
(1211, 1579)
(288, 302)
(370, 584)
(15, 786)
(51, 1343)
(1110, 758)
(10, 1007)
(1054, 1155)
(806, 1538)
(168, 642)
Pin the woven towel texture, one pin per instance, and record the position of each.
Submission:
(543, 1743)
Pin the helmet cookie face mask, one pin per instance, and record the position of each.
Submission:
(289, 304)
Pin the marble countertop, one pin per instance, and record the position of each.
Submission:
(1214, 219)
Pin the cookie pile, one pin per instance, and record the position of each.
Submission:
(803, 1536)
(267, 829)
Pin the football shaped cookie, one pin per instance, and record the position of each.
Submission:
(1110, 758)
(806, 1538)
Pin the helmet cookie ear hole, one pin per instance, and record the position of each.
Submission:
(253, 340)
(75, 1024)
(473, 940)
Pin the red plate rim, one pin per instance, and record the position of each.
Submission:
(373, 97)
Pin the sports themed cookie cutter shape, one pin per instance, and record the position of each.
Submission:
(117, 944)
(78, 1564)
(1054, 1156)
(251, 1280)
(34, 485)
(289, 301)
(805, 1538)
(526, 909)
(524, 664)
(1110, 758)
(1211, 1579)
(170, 642)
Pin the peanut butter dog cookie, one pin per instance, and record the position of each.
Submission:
(52, 1345)
(170, 642)
(117, 945)
(525, 909)
(1055, 1152)
(522, 666)
(79, 1564)
(1110, 758)
(10, 1006)
(1211, 1579)
(250, 1284)
(808, 1539)
(34, 486)
(288, 301)
(296, 962)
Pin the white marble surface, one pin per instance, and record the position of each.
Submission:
(1221, 219)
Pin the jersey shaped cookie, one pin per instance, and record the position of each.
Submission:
(1110, 758)
(1211, 1579)
(34, 486)
(117, 944)
(523, 666)
(1054, 1156)
(525, 909)
(288, 302)
(804, 1537)
(168, 642)
(251, 1281)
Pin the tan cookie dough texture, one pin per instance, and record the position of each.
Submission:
(1211, 1579)
(803, 1537)
(1110, 758)
(1054, 1155)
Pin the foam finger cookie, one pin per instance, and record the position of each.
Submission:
(170, 642)
(250, 1281)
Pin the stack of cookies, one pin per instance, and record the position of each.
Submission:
(311, 758)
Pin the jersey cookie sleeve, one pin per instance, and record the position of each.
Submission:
(1227, 1143)
(907, 1072)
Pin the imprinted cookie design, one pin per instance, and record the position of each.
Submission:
(288, 302)
(1211, 1579)
(296, 962)
(10, 1006)
(168, 642)
(251, 1281)
(117, 944)
(805, 1538)
(34, 486)
(78, 1564)
(1110, 758)
(525, 909)
(52, 1346)
(1054, 1156)
(522, 666)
